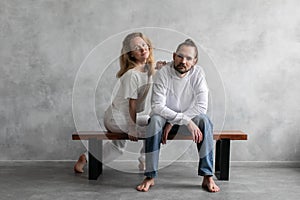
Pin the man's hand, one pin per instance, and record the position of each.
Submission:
(195, 131)
(167, 130)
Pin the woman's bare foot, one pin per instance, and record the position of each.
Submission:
(209, 184)
(145, 185)
(79, 165)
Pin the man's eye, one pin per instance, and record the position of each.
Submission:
(188, 58)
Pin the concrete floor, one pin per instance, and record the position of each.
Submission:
(56, 180)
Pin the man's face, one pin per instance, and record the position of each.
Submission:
(184, 59)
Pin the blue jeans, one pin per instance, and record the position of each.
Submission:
(154, 135)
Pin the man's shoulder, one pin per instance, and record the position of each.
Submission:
(198, 71)
(165, 70)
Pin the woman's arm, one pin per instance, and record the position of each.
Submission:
(132, 133)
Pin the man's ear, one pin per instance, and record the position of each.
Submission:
(195, 61)
(174, 55)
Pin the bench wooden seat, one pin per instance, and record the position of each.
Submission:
(222, 153)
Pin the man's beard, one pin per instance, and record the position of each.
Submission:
(181, 71)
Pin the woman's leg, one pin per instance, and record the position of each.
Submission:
(81, 162)
(142, 122)
(142, 159)
(115, 148)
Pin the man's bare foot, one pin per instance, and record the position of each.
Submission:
(209, 184)
(145, 185)
(79, 165)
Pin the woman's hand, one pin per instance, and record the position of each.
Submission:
(160, 64)
(132, 135)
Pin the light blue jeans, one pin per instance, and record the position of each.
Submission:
(154, 135)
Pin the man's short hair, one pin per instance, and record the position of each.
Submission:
(191, 43)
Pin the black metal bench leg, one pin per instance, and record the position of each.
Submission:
(95, 159)
(222, 159)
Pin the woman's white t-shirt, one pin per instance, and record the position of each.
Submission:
(132, 85)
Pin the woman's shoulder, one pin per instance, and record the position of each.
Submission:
(133, 71)
(133, 75)
(129, 73)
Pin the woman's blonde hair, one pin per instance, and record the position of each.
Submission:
(128, 62)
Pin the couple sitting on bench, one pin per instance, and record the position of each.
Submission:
(179, 103)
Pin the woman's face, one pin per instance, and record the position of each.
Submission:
(139, 49)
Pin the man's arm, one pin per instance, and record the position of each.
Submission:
(201, 98)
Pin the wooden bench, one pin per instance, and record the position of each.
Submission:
(222, 153)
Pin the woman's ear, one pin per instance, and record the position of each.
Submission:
(130, 56)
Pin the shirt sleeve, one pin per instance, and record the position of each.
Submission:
(130, 85)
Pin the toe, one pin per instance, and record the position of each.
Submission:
(213, 188)
(139, 187)
(142, 187)
(78, 170)
(145, 185)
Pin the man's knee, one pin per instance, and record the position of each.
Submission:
(202, 120)
(157, 121)
(155, 125)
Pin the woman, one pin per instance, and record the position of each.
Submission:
(135, 75)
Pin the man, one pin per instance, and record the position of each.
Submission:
(179, 104)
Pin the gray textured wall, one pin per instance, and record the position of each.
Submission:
(253, 45)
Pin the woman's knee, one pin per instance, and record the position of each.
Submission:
(120, 144)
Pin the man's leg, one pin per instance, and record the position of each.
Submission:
(153, 139)
(205, 150)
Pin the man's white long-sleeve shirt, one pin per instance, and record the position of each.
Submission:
(179, 99)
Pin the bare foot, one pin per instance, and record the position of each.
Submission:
(81, 162)
(145, 185)
(209, 184)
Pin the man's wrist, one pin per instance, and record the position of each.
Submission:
(170, 123)
(186, 120)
